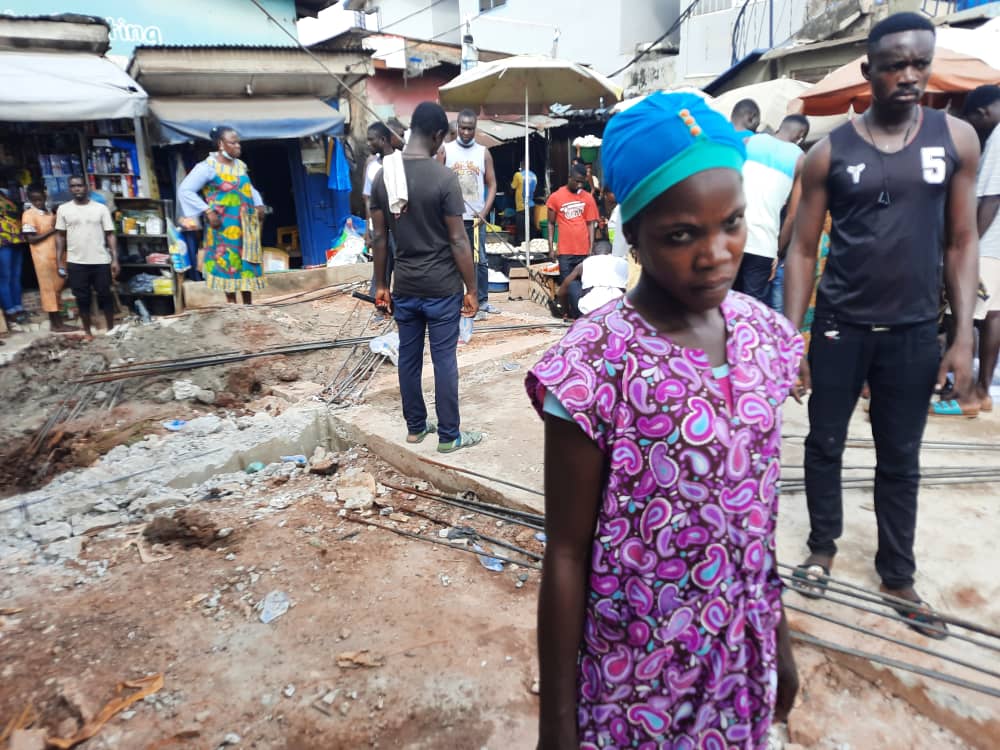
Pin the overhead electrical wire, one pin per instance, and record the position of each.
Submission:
(649, 48)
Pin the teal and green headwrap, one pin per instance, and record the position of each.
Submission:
(661, 141)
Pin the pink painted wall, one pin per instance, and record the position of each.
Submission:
(387, 87)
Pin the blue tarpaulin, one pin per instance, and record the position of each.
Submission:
(338, 168)
(182, 120)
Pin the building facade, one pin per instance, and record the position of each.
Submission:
(604, 34)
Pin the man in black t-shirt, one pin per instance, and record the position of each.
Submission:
(899, 183)
(420, 202)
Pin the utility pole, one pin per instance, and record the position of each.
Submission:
(770, 24)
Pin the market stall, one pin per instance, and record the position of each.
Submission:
(75, 112)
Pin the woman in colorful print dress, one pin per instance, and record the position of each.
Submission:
(660, 618)
(219, 190)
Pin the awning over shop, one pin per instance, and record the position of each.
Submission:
(66, 87)
(182, 120)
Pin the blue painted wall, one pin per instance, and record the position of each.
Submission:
(175, 22)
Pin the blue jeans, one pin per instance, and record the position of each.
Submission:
(11, 259)
(568, 264)
(777, 292)
(480, 260)
(438, 317)
(752, 278)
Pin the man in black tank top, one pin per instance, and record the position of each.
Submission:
(899, 183)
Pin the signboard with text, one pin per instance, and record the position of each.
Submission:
(174, 22)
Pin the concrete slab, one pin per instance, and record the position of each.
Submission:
(197, 293)
(954, 545)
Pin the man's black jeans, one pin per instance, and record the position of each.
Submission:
(900, 366)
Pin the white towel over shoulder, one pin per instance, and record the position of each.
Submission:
(394, 177)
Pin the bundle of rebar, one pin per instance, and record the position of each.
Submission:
(160, 367)
(837, 592)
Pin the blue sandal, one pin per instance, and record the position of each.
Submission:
(951, 408)
(464, 440)
(418, 437)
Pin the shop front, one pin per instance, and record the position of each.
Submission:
(65, 109)
(284, 105)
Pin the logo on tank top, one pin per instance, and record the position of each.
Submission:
(933, 162)
(855, 170)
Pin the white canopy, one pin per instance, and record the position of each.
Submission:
(66, 87)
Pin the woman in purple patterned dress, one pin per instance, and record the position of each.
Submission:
(660, 619)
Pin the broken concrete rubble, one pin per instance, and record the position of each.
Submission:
(357, 490)
(50, 532)
(323, 462)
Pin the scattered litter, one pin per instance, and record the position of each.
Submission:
(175, 425)
(231, 739)
(445, 580)
(289, 691)
(387, 345)
(540, 536)
(256, 466)
(298, 460)
(273, 606)
(465, 330)
(143, 688)
(490, 563)
(510, 366)
(356, 659)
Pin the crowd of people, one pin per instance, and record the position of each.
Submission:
(662, 408)
(695, 317)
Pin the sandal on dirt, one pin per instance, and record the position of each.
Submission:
(464, 440)
(920, 619)
(951, 408)
(418, 437)
(810, 580)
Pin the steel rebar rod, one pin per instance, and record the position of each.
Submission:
(477, 474)
(890, 639)
(935, 444)
(464, 506)
(371, 377)
(528, 515)
(896, 618)
(879, 597)
(799, 487)
(438, 542)
(895, 663)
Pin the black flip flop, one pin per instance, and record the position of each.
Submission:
(918, 620)
(810, 580)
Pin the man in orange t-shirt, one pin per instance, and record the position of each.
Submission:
(575, 212)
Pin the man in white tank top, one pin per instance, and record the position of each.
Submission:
(474, 167)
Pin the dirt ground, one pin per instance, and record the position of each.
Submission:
(389, 642)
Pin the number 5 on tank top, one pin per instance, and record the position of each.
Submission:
(932, 159)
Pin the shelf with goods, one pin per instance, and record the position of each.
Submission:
(133, 217)
(112, 165)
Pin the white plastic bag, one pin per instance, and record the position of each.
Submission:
(387, 345)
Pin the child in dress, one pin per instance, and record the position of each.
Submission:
(660, 619)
